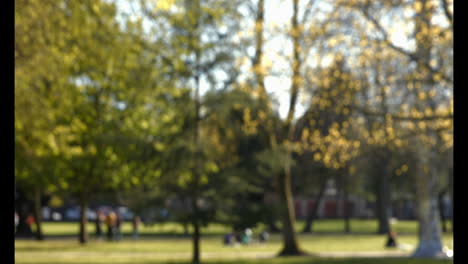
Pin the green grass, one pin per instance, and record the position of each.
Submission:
(177, 249)
(163, 250)
(68, 228)
(312, 243)
(320, 226)
(289, 260)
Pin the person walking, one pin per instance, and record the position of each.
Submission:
(30, 220)
(135, 224)
(110, 223)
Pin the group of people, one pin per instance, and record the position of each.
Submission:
(244, 237)
(113, 223)
(29, 220)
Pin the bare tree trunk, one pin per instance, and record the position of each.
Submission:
(430, 236)
(383, 201)
(346, 216)
(196, 233)
(38, 214)
(185, 225)
(312, 214)
(338, 197)
(194, 7)
(257, 60)
(290, 246)
(450, 186)
(441, 205)
(430, 242)
(83, 236)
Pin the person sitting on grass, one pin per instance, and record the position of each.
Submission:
(247, 236)
(263, 237)
(228, 239)
(391, 240)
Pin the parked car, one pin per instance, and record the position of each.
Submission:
(56, 216)
(125, 213)
(46, 213)
(73, 214)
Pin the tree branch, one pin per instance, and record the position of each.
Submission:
(447, 13)
(400, 117)
(411, 55)
(308, 8)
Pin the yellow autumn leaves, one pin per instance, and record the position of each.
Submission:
(164, 4)
(334, 149)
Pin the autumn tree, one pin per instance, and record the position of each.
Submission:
(426, 113)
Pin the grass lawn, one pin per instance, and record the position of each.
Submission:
(177, 249)
(320, 227)
(173, 251)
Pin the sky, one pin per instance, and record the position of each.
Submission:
(278, 12)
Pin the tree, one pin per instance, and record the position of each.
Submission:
(103, 89)
(198, 48)
(429, 80)
(324, 131)
(41, 39)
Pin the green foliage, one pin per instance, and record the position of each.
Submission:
(114, 104)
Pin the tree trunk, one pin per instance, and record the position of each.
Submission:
(450, 192)
(346, 216)
(257, 60)
(195, 8)
(338, 197)
(196, 233)
(83, 236)
(430, 241)
(185, 225)
(38, 214)
(383, 201)
(312, 214)
(441, 205)
(290, 246)
(430, 244)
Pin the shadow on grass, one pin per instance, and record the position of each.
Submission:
(291, 260)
